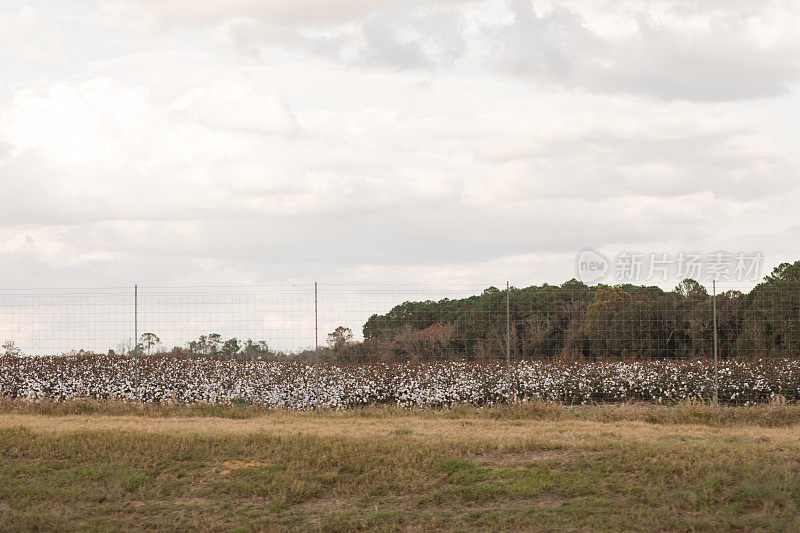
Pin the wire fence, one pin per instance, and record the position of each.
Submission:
(424, 345)
(364, 323)
(96, 320)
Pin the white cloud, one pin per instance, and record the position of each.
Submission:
(25, 36)
(236, 107)
(229, 174)
(415, 140)
(209, 12)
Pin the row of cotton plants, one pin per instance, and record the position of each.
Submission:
(430, 384)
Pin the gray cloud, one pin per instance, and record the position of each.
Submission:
(603, 164)
(720, 55)
(405, 37)
(722, 59)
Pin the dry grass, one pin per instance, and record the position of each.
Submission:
(775, 414)
(335, 425)
(544, 467)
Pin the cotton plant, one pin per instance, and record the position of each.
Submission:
(297, 385)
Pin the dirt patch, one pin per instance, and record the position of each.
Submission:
(226, 467)
(4, 507)
(244, 464)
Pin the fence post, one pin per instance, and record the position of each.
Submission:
(714, 306)
(135, 317)
(136, 377)
(316, 345)
(508, 329)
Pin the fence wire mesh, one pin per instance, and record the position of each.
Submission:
(361, 323)
(418, 345)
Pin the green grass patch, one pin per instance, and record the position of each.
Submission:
(600, 481)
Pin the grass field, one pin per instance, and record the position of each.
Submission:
(113, 466)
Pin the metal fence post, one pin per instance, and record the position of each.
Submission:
(508, 329)
(136, 377)
(716, 374)
(135, 317)
(316, 345)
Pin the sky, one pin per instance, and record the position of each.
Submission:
(239, 142)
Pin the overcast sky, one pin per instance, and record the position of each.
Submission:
(273, 141)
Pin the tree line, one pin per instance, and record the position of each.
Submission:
(603, 321)
(568, 320)
(212, 345)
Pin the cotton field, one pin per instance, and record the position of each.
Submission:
(429, 384)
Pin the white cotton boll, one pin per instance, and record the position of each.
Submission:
(291, 385)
